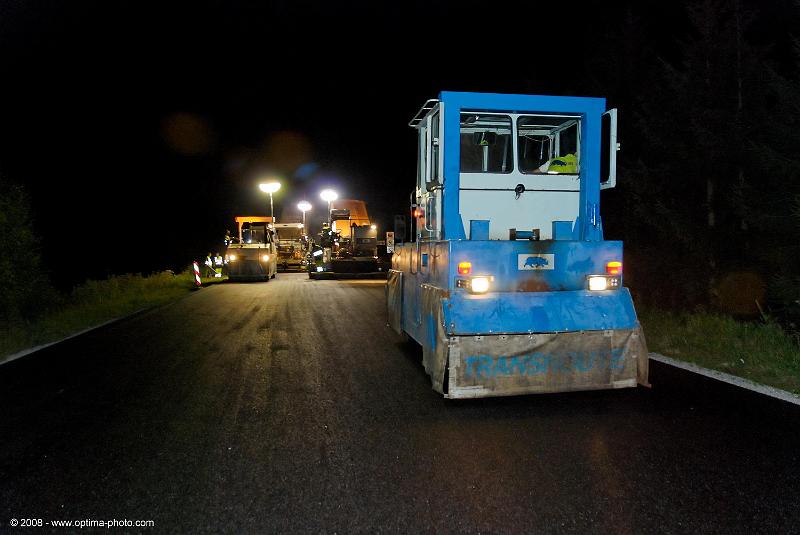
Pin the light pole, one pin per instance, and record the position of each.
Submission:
(329, 196)
(304, 206)
(270, 187)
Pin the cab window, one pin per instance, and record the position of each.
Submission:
(486, 143)
(549, 144)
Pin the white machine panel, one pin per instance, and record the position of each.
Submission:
(533, 209)
(510, 181)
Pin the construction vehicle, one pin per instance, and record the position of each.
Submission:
(252, 256)
(348, 248)
(509, 286)
(292, 246)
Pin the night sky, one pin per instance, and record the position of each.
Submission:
(140, 131)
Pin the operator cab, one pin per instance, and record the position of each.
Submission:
(289, 231)
(516, 170)
(364, 241)
(255, 233)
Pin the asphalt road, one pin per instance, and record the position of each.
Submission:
(290, 406)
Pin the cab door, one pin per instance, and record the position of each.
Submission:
(608, 150)
(432, 176)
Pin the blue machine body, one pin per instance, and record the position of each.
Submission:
(538, 306)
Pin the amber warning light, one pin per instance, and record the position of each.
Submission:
(464, 268)
(614, 268)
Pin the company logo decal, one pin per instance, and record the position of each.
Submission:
(535, 262)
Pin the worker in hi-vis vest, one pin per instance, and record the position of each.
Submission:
(209, 266)
(218, 263)
(567, 164)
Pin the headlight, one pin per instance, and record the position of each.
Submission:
(265, 258)
(480, 285)
(232, 257)
(319, 269)
(475, 285)
(598, 283)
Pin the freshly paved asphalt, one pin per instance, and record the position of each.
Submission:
(290, 406)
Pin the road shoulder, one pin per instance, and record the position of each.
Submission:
(741, 382)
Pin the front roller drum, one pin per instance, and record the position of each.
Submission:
(504, 365)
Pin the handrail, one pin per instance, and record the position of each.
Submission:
(423, 111)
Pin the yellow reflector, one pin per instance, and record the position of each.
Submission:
(464, 268)
(614, 268)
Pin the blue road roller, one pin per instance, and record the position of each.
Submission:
(507, 283)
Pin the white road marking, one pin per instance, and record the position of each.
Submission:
(728, 378)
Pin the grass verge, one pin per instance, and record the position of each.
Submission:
(761, 352)
(96, 302)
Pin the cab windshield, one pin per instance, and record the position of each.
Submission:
(289, 233)
(486, 143)
(545, 144)
(254, 233)
(548, 144)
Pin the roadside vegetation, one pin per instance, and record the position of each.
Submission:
(761, 351)
(91, 304)
(33, 313)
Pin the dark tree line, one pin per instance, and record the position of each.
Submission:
(25, 291)
(709, 189)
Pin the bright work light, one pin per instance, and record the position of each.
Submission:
(304, 206)
(328, 195)
(270, 187)
(265, 258)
